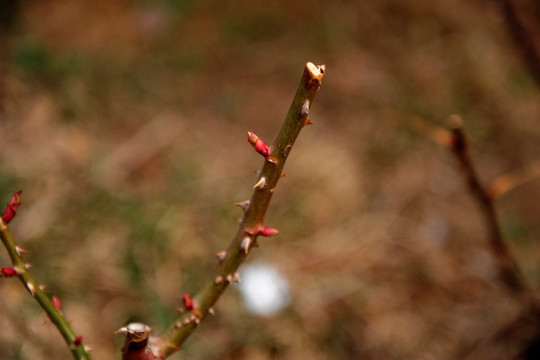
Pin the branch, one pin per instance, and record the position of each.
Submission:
(20, 269)
(523, 37)
(511, 180)
(508, 271)
(250, 227)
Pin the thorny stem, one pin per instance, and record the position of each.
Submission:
(56, 317)
(508, 271)
(252, 222)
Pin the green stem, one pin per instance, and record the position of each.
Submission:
(43, 300)
(252, 222)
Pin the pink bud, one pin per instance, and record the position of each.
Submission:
(268, 231)
(258, 144)
(7, 272)
(56, 303)
(11, 208)
(188, 302)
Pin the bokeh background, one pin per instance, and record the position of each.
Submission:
(125, 123)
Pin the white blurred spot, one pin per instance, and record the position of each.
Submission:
(264, 290)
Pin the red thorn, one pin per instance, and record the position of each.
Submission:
(307, 122)
(268, 231)
(56, 303)
(8, 272)
(188, 302)
(11, 209)
(258, 144)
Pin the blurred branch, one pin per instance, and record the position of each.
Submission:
(250, 228)
(523, 37)
(508, 271)
(511, 180)
(20, 269)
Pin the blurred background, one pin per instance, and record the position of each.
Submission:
(124, 122)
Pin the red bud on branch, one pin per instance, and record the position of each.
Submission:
(7, 272)
(258, 144)
(11, 209)
(56, 303)
(268, 231)
(78, 340)
(188, 302)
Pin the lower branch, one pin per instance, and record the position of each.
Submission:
(19, 268)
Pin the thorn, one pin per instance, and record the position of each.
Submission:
(246, 242)
(186, 321)
(251, 230)
(221, 255)
(283, 174)
(42, 287)
(180, 310)
(87, 348)
(20, 250)
(305, 108)
(244, 205)
(218, 280)
(195, 319)
(260, 184)
(308, 122)
(28, 266)
(20, 271)
(266, 231)
(177, 325)
(31, 288)
(271, 159)
(236, 277)
(211, 311)
(229, 278)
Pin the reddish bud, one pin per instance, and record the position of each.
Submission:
(56, 303)
(78, 340)
(258, 144)
(188, 302)
(12, 206)
(268, 231)
(7, 272)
